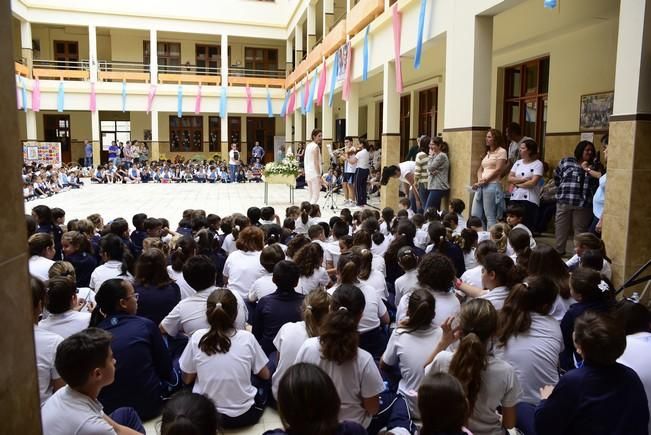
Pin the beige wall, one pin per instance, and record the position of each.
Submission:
(80, 130)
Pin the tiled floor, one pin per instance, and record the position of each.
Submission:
(169, 200)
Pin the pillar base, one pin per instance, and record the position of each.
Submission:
(225, 147)
(467, 148)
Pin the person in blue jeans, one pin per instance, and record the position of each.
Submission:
(88, 154)
(488, 203)
(233, 163)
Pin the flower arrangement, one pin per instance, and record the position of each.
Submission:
(288, 166)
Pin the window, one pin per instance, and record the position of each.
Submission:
(66, 51)
(119, 131)
(208, 58)
(265, 59)
(215, 129)
(427, 111)
(525, 98)
(169, 55)
(186, 133)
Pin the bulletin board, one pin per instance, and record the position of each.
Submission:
(47, 153)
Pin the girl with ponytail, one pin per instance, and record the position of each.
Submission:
(438, 235)
(584, 242)
(143, 361)
(372, 337)
(220, 361)
(190, 414)
(489, 382)
(367, 273)
(183, 248)
(410, 343)
(353, 371)
(530, 340)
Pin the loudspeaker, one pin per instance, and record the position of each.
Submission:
(340, 130)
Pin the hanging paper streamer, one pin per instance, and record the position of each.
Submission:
(322, 84)
(197, 101)
(283, 110)
(345, 90)
(419, 37)
(20, 102)
(366, 54)
(270, 109)
(150, 98)
(179, 101)
(310, 99)
(303, 98)
(292, 102)
(60, 97)
(23, 94)
(397, 25)
(550, 4)
(124, 96)
(333, 79)
(306, 94)
(93, 98)
(223, 102)
(249, 100)
(36, 96)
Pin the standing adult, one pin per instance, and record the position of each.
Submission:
(362, 160)
(488, 203)
(313, 166)
(420, 174)
(144, 152)
(599, 198)
(233, 162)
(438, 173)
(113, 152)
(88, 154)
(257, 152)
(577, 181)
(350, 168)
(515, 138)
(525, 176)
(405, 173)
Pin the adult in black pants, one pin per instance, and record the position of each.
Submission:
(363, 161)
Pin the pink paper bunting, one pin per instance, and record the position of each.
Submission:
(292, 102)
(36, 96)
(345, 89)
(150, 98)
(322, 85)
(249, 100)
(397, 25)
(93, 98)
(197, 101)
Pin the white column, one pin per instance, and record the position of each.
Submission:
(224, 60)
(289, 55)
(298, 42)
(391, 101)
(95, 137)
(155, 146)
(153, 58)
(225, 140)
(348, 5)
(92, 53)
(30, 124)
(328, 15)
(440, 107)
(310, 120)
(26, 43)
(289, 123)
(371, 121)
(311, 26)
(352, 112)
(328, 132)
(298, 126)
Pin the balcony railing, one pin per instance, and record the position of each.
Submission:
(363, 13)
(266, 73)
(115, 70)
(60, 69)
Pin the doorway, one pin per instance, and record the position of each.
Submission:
(56, 128)
(261, 130)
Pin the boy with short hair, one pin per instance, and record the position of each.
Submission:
(138, 235)
(403, 204)
(514, 217)
(85, 362)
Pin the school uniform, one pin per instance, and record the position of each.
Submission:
(380, 249)
(447, 305)
(378, 264)
(319, 278)
(84, 265)
(186, 290)
(470, 260)
(189, 315)
(344, 428)
(394, 271)
(636, 356)
(288, 341)
(575, 261)
(405, 285)
(242, 269)
(56, 233)
(66, 324)
(45, 343)
(376, 281)
(109, 270)
(154, 303)
(594, 400)
(454, 253)
(137, 238)
(39, 267)
(226, 377)
(497, 296)
(272, 312)
(262, 287)
(142, 363)
(473, 276)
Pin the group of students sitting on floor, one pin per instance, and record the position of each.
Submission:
(42, 181)
(490, 333)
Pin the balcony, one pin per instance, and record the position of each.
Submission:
(189, 74)
(335, 38)
(60, 69)
(118, 71)
(362, 14)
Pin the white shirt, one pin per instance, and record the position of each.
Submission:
(606, 269)
(447, 305)
(242, 269)
(469, 259)
(109, 270)
(66, 324)
(534, 356)
(46, 343)
(636, 356)
(532, 241)
(39, 267)
(231, 158)
(527, 170)
(378, 264)
(310, 161)
(376, 281)
(229, 244)
(354, 380)
(332, 252)
(363, 159)
(288, 341)
(225, 377)
(561, 306)
(473, 276)
(496, 296)
(262, 287)
(407, 167)
(189, 315)
(410, 350)
(69, 412)
(381, 249)
(422, 238)
(373, 310)
(406, 284)
(186, 290)
(306, 284)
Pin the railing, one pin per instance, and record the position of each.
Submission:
(335, 38)
(67, 65)
(189, 69)
(115, 70)
(256, 81)
(60, 69)
(363, 13)
(244, 72)
(21, 69)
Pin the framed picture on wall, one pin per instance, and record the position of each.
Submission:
(595, 111)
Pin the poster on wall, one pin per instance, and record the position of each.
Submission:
(595, 111)
(47, 153)
(343, 59)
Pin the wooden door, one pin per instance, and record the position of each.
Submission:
(261, 130)
(207, 56)
(405, 116)
(56, 128)
(66, 52)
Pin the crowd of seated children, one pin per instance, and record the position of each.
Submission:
(172, 308)
(41, 181)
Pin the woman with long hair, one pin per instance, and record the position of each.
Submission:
(438, 173)
(488, 203)
(488, 381)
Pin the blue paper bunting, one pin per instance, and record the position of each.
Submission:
(366, 54)
(550, 4)
(419, 37)
(283, 110)
(60, 97)
(333, 81)
(270, 110)
(310, 98)
(124, 97)
(179, 101)
(23, 93)
(223, 102)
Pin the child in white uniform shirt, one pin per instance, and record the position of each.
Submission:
(309, 259)
(472, 277)
(184, 248)
(264, 285)
(220, 361)
(243, 266)
(405, 284)
(64, 318)
(112, 252)
(41, 253)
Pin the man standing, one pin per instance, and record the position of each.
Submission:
(113, 152)
(257, 152)
(313, 166)
(233, 162)
(88, 154)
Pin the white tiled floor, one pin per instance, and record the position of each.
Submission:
(169, 200)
